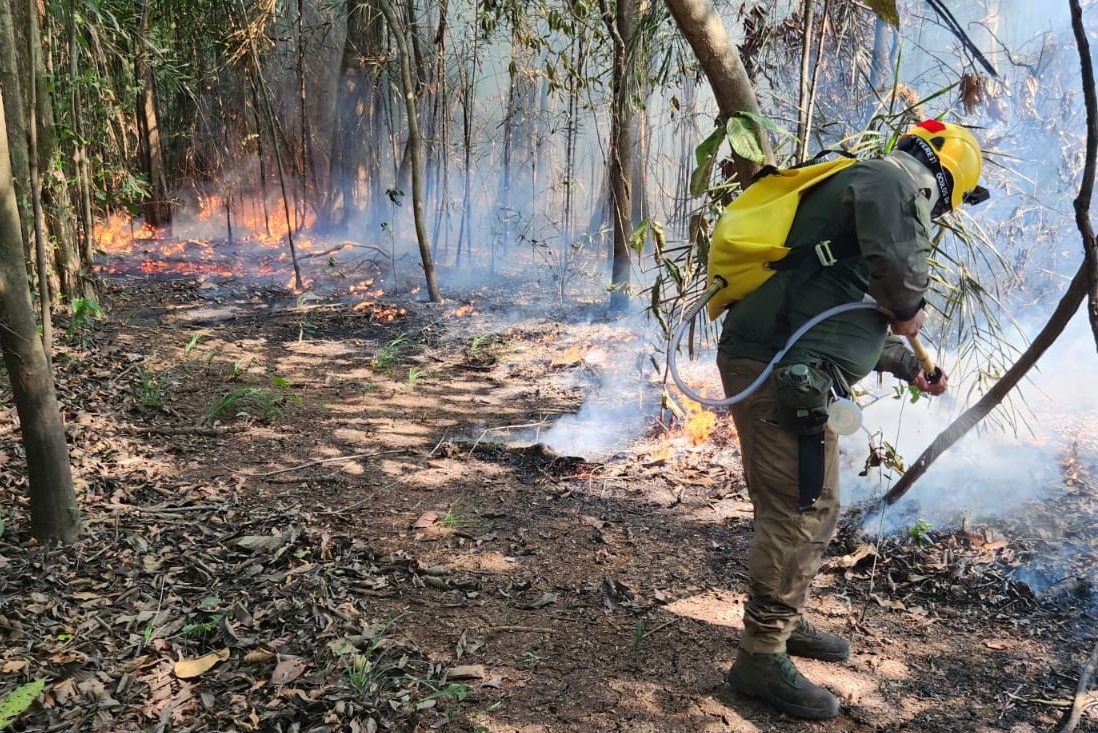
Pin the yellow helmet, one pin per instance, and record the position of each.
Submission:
(952, 149)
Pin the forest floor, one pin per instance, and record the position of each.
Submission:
(312, 514)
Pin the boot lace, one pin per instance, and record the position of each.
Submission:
(807, 630)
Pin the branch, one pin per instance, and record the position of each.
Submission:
(1083, 699)
(1082, 203)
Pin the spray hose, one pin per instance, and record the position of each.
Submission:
(692, 312)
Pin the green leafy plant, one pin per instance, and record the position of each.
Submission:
(415, 374)
(920, 532)
(531, 660)
(259, 402)
(16, 702)
(85, 312)
(152, 388)
(368, 671)
(238, 370)
(386, 359)
(210, 622)
(907, 391)
(192, 343)
(454, 518)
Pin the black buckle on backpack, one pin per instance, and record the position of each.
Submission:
(824, 253)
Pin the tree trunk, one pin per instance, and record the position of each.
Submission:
(415, 148)
(11, 81)
(705, 32)
(620, 168)
(54, 514)
(355, 158)
(157, 211)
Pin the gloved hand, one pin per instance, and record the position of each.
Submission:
(910, 327)
(936, 387)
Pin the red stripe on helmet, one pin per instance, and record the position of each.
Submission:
(932, 125)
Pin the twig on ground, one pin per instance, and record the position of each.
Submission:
(1083, 697)
(319, 462)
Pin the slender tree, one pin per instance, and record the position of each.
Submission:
(54, 513)
(707, 35)
(415, 147)
(621, 24)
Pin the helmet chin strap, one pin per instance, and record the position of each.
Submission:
(923, 178)
(922, 151)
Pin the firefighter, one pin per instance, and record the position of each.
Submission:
(864, 231)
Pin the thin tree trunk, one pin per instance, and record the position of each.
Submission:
(44, 299)
(620, 170)
(157, 210)
(414, 149)
(54, 513)
(14, 88)
(704, 30)
(468, 98)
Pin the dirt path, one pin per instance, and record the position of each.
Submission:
(338, 506)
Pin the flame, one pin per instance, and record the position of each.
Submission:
(699, 424)
(465, 310)
(570, 356)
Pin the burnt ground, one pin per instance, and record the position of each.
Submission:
(306, 514)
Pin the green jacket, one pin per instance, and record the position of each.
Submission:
(877, 222)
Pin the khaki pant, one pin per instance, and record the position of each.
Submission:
(788, 544)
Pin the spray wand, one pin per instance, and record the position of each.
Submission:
(932, 371)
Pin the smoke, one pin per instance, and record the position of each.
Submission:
(990, 473)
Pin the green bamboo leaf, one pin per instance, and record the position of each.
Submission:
(18, 700)
(639, 236)
(744, 137)
(706, 157)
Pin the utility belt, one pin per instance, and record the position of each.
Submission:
(806, 391)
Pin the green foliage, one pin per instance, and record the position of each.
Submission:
(254, 401)
(152, 388)
(369, 671)
(415, 374)
(920, 532)
(192, 343)
(16, 702)
(387, 358)
(907, 391)
(85, 312)
(210, 622)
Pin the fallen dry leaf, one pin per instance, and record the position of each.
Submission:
(427, 519)
(258, 656)
(466, 672)
(287, 670)
(188, 668)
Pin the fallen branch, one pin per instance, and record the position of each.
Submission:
(319, 462)
(198, 430)
(1083, 697)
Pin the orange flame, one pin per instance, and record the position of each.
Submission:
(699, 424)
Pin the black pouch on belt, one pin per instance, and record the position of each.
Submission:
(805, 390)
(810, 469)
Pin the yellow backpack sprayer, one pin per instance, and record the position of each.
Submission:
(747, 245)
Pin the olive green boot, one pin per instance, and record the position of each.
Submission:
(808, 641)
(774, 679)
